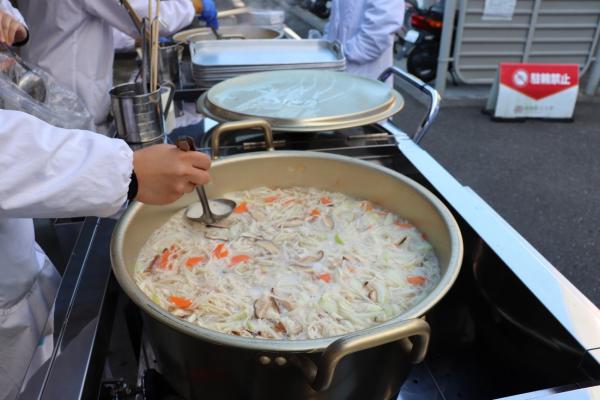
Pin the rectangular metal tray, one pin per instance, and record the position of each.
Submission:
(239, 53)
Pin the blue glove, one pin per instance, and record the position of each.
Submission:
(209, 14)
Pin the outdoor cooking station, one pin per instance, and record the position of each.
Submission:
(510, 325)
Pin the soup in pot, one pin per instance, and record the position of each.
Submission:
(289, 263)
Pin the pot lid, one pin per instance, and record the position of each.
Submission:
(302, 100)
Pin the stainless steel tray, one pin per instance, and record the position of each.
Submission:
(240, 53)
(302, 100)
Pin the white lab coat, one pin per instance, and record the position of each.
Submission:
(366, 30)
(174, 16)
(46, 172)
(72, 40)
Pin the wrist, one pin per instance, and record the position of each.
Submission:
(133, 187)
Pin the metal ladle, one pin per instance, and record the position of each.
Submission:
(186, 143)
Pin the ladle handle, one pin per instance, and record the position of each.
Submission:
(204, 200)
(186, 143)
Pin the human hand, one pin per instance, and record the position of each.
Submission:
(209, 14)
(164, 173)
(11, 30)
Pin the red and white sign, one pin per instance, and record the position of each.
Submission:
(537, 90)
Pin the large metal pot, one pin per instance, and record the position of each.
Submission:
(368, 364)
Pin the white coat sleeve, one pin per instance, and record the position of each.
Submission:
(122, 41)
(381, 19)
(53, 172)
(113, 13)
(174, 14)
(8, 8)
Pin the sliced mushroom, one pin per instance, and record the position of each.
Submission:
(309, 260)
(264, 305)
(281, 302)
(257, 215)
(215, 235)
(222, 224)
(274, 302)
(293, 223)
(371, 292)
(250, 236)
(268, 246)
(328, 221)
(372, 295)
(261, 306)
(153, 264)
(292, 327)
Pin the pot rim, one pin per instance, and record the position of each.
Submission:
(128, 284)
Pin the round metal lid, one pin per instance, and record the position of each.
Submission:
(302, 100)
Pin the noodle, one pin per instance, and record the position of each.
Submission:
(291, 263)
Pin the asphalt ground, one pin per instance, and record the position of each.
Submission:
(542, 177)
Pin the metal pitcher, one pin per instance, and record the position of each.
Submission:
(139, 115)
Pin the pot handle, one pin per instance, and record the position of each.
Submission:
(236, 126)
(434, 96)
(321, 375)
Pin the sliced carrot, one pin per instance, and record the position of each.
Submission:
(238, 259)
(326, 200)
(164, 259)
(180, 302)
(325, 277)
(220, 251)
(416, 280)
(241, 208)
(401, 224)
(367, 205)
(190, 262)
(270, 199)
(315, 212)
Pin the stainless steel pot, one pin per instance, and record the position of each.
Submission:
(367, 364)
(227, 32)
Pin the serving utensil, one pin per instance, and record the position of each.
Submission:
(216, 33)
(201, 212)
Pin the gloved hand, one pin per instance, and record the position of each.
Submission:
(209, 14)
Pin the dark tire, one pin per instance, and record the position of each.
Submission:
(422, 63)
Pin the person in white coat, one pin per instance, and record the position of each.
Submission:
(72, 40)
(174, 16)
(366, 30)
(53, 172)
